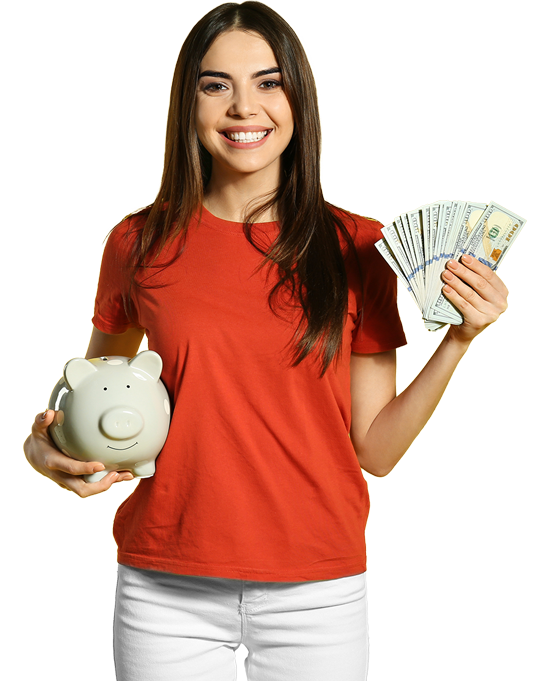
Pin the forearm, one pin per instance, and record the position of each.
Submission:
(401, 420)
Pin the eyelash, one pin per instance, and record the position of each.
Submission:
(216, 87)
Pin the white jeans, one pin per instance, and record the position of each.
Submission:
(183, 628)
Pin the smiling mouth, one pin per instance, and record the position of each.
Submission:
(246, 137)
(122, 449)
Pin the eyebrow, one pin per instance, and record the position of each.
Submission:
(258, 74)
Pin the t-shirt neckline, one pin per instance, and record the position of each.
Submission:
(206, 217)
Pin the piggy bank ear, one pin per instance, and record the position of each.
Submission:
(148, 361)
(76, 370)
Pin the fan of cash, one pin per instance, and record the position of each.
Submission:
(418, 244)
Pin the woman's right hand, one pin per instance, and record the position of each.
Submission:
(43, 456)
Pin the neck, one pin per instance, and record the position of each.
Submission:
(231, 197)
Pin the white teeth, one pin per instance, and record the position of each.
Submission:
(246, 136)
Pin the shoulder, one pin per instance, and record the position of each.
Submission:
(124, 235)
(364, 231)
(131, 224)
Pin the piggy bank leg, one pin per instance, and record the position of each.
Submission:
(144, 470)
(96, 477)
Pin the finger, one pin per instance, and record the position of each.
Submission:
(82, 488)
(468, 300)
(87, 489)
(477, 312)
(484, 287)
(42, 421)
(55, 460)
(487, 273)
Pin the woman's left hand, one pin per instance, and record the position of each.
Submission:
(477, 292)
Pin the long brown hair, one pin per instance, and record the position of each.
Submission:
(307, 251)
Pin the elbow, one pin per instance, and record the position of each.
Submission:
(376, 460)
(379, 470)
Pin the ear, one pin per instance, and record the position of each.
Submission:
(148, 361)
(76, 370)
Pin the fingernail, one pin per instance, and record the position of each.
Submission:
(43, 417)
(453, 264)
(466, 259)
(99, 467)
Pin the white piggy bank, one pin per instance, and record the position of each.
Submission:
(112, 409)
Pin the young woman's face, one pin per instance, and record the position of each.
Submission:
(243, 117)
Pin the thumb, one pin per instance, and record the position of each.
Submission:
(39, 431)
(42, 421)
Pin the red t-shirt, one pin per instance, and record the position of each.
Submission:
(258, 479)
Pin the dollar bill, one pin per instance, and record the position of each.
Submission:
(418, 244)
(398, 249)
(441, 308)
(493, 235)
(414, 222)
(388, 256)
(451, 213)
(488, 240)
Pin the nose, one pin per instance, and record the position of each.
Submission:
(243, 104)
(121, 423)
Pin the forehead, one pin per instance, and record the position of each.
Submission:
(238, 53)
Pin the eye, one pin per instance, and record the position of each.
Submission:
(104, 388)
(271, 84)
(127, 386)
(214, 88)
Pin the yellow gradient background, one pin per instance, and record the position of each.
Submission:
(418, 103)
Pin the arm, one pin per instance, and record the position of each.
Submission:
(383, 425)
(124, 344)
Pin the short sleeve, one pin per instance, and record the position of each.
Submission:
(110, 311)
(379, 327)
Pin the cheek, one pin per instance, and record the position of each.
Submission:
(287, 117)
(205, 120)
(283, 114)
(199, 123)
(205, 140)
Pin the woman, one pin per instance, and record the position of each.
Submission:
(277, 324)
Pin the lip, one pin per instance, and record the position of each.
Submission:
(121, 449)
(245, 128)
(242, 128)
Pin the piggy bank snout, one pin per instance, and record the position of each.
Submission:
(121, 423)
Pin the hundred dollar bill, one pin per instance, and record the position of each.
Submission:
(425, 220)
(432, 213)
(441, 308)
(402, 228)
(414, 220)
(386, 253)
(398, 249)
(494, 233)
(470, 218)
(452, 213)
(434, 326)
(418, 244)
(489, 240)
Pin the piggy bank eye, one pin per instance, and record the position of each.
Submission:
(127, 386)
(104, 388)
